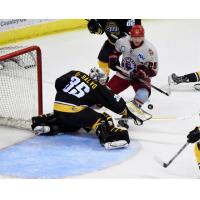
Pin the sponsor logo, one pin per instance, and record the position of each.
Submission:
(13, 21)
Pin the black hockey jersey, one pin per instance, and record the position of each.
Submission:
(77, 88)
(118, 27)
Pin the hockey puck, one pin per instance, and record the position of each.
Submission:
(1, 66)
(150, 106)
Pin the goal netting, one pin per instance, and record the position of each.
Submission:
(20, 85)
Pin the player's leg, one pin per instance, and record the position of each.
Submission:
(103, 56)
(142, 93)
(197, 152)
(187, 78)
(109, 136)
(117, 84)
(45, 124)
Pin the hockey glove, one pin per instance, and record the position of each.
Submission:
(113, 62)
(140, 74)
(94, 27)
(194, 135)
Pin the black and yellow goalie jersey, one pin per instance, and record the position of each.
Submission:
(78, 89)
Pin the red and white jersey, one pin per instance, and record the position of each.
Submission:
(144, 56)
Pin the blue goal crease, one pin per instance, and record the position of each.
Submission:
(60, 156)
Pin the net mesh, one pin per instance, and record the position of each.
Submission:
(18, 88)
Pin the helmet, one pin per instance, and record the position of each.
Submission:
(98, 75)
(137, 31)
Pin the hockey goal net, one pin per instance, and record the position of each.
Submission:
(20, 85)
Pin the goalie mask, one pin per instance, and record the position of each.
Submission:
(98, 75)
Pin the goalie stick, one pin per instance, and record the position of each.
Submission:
(165, 118)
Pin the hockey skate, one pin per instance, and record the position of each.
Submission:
(175, 80)
(111, 137)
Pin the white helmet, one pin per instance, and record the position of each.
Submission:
(98, 75)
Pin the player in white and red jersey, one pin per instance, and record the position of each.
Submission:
(139, 63)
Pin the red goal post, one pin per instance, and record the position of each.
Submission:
(21, 85)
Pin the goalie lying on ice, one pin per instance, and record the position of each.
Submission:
(77, 92)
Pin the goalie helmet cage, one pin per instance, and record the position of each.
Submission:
(20, 85)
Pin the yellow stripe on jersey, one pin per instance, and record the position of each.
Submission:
(198, 73)
(104, 67)
(197, 152)
(67, 108)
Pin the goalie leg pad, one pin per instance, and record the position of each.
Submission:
(45, 125)
(108, 118)
(111, 137)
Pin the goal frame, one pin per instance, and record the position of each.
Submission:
(39, 69)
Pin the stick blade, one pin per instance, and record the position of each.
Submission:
(165, 165)
(160, 162)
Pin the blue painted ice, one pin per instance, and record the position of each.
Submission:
(60, 156)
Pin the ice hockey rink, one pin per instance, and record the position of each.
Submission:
(178, 46)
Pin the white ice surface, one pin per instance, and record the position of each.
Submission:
(178, 45)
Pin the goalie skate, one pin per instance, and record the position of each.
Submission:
(116, 144)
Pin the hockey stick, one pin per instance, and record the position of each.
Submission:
(165, 165)
(125, 73)
(166, 118)
(156, 88)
